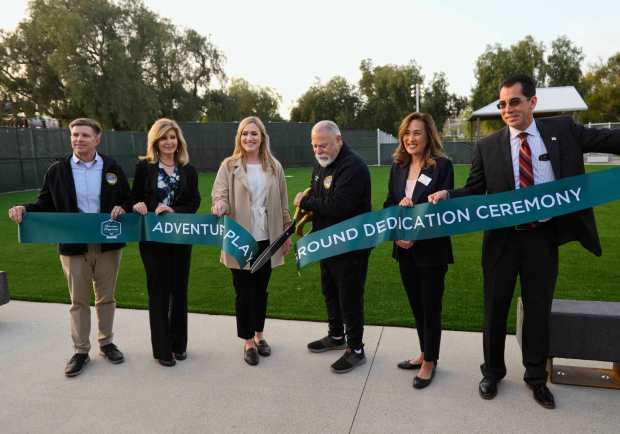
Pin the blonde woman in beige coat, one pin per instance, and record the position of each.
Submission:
(251, 189)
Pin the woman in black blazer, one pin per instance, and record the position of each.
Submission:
(165, 182)
(420, 168)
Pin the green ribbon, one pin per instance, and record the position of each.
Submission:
(451, 217)
(175, 228)
(461, 215)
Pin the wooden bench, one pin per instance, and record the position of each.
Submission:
(584, 330)
(4, 289)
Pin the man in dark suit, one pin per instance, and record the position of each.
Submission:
(524, 153)
(86, 182)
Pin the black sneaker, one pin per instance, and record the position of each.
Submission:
(76, 365)
(112, 353)
(327, 343)
(349, 360)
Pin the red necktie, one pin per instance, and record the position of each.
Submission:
(526, 174)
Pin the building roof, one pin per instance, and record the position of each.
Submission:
(550, 100)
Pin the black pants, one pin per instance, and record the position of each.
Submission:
(251, 297)
(533, 255)
(425, 287)
(167, 276)
(342, 279)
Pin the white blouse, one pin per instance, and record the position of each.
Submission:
(258, 197)
(410, 187)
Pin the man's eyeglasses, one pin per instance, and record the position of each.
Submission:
(512, 102)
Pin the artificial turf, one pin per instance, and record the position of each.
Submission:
(34, 271)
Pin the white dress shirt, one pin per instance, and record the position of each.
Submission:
(87, 181)
(258, 197)
(543, 172)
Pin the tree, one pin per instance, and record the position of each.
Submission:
(497, 63)
(337, 100)
(386, 92)
(564, 64)
(117, 62)
(241, 99)
(602, 88)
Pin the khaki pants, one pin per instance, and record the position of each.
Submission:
(95, 270)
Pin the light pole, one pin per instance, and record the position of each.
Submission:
(415, 92)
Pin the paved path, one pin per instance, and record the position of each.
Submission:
(293, 391)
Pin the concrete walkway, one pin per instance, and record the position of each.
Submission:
(293, 391)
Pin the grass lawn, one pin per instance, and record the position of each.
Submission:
(34, 271)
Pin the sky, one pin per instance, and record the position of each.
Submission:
(287, 45)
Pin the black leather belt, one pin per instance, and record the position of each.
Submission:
(529, 226)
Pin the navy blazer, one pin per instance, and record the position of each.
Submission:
(431, 252)
(144, 188)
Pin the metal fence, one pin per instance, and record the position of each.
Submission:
(26, 153)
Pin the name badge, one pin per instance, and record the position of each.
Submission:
(424, 179)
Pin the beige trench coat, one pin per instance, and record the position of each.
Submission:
(231, 187)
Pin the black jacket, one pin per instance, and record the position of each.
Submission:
(431, 252)
(566, 142)
(339, 191)
(58, 195)
(144, 188)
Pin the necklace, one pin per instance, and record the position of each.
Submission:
(167, 165)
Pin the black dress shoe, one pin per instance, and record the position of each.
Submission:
(421, 383)
(167, 363)
(543, 395)
(112, 353)
(180, 356)
(487, 388)
(406, 364)
(76, 364)
(250, 356)
(263, 348)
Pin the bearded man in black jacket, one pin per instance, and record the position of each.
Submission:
(340, 190)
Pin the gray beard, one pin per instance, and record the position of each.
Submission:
(324, 162)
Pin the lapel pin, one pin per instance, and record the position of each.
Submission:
(553, 138)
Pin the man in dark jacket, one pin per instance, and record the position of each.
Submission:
(340, 189)
(524, 153)
(92, 183)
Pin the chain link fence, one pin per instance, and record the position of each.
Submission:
(26, 153)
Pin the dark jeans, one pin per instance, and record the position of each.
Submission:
(167, 275)
(533, 256)
(424, 287)
(251, 297)
(342, 279)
